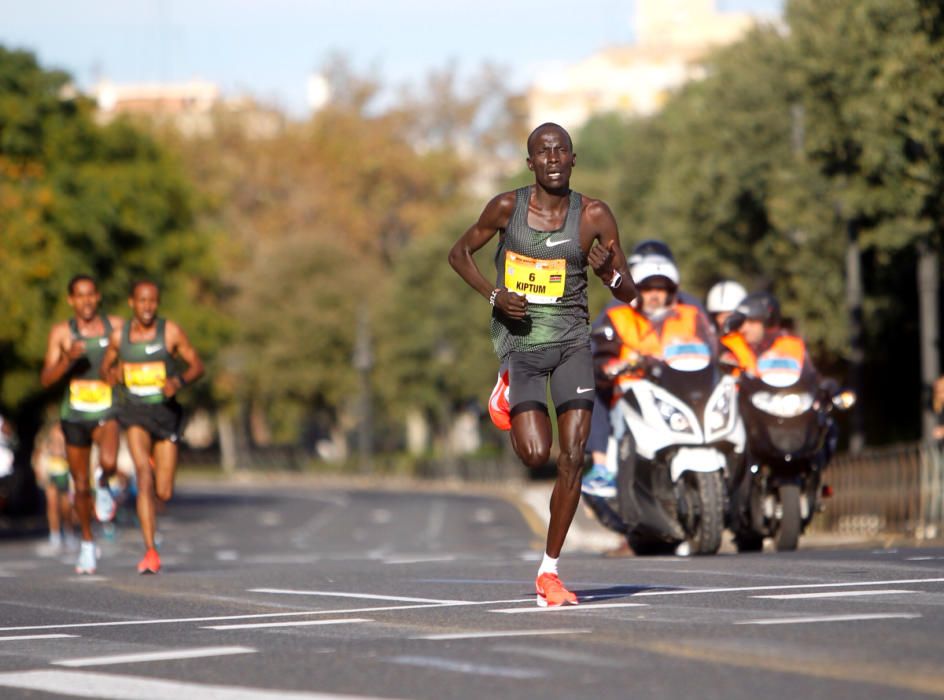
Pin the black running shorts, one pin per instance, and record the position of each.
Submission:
(162, 420)
(78, 433)
(570, 369)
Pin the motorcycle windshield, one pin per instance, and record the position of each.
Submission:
(693, 387)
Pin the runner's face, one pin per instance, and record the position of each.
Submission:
(552, 159)
(144, 303)
(84, 300)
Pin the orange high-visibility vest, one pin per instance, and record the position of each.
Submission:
(784, 345)
(639, 335)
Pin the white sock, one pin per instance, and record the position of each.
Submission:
(548, 565)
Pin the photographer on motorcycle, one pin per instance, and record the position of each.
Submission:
(628, 332)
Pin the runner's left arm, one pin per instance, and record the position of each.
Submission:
(110, 368)
(606, 257)
(179, 345)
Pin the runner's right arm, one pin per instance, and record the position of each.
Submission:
(494, 218)
(60, 354)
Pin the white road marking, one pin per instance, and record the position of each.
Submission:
(744, 589)
(88, 684)
(84, 578)
(293, 623)
(366, 596)
(419, 559)
(832, 594)
(830, 618)
(24, 637)
(464, 667)
(227, 555)
(490, 635)
(570, 608)
(170, 655)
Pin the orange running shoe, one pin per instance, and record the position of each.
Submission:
(498, 406)
(151, 563)
(551, 592)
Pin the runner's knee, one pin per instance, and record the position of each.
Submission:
(533, 454)
(165, 491)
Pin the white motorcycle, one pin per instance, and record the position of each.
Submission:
(675, 436)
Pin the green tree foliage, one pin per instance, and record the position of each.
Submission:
(76, 196)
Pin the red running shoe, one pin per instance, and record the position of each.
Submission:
(151, 563)
(551, 592)
(498, 407)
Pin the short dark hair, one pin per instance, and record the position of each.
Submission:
(81, 277)
(142, 280)
(547, 125)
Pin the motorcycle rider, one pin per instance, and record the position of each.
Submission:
(627, 332)
(723, 298)
(754, 330)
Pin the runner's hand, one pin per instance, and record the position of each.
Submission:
(511, 304)
(76, 350)
(600, 258)
(172, 386)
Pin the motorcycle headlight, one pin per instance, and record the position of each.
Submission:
(674, 417)
(719, 411)
(782, 405)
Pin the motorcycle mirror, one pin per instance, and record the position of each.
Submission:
(844, 400)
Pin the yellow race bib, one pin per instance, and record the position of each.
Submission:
(145, 378)
(541, 281)
(89, 395)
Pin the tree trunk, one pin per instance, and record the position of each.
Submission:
(928, 283)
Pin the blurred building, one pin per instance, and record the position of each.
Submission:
(672, 37)
(194, 107)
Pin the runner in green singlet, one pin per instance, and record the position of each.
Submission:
(141, 356)
(74, 351)
(540, 322)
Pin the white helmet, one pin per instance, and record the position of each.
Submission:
(724, 296)
(654, 266)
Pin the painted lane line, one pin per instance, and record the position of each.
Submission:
(491, 635)
(420, 559)
(293, 623)
(340, 594)
(88, 684)
(830, 618)
(256, 616)
(25, 637)
(746, 589)
(831, 594)
(465, 667)
(153, 656)
(569, 608)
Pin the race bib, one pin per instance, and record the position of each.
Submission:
(145, 378)
(89, 395)
(541, 281)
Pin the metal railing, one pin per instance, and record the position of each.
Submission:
(893, 490)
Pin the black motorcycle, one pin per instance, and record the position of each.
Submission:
(791, 436)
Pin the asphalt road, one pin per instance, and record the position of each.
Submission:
(297, 591)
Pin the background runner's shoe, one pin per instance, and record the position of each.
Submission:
(105, 505)
(551, 592)
(598, 481)
(151, 563)
(498, 406)
(85, 564)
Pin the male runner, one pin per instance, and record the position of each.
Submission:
(145, 350)
(74, 349)
(540, 321)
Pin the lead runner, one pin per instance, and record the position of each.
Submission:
(540, 320)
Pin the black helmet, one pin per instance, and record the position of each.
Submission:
(650, 247)
(761, 306)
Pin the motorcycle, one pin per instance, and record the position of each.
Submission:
(675, 435)
(791, 436)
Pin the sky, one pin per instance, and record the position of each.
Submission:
(268, 48)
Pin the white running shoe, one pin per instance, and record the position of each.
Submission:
(85, 564)
(105, 505)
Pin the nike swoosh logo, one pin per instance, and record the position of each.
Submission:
(550, 244)
(581, 390)
(151, 349)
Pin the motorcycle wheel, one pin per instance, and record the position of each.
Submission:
(788, 530)
(708, 492)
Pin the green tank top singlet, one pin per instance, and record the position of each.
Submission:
(88, 398)
(145, 366)
(550, 268)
